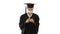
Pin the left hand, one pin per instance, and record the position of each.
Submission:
(32, 20)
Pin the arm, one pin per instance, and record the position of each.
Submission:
(36, 24)
(21, 23)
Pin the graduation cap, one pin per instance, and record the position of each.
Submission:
(29, 5)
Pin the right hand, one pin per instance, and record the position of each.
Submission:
(27, 21)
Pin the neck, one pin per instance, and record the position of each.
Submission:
(30, 14)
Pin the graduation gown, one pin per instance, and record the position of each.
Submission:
(29, 28)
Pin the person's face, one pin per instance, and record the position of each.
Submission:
(30, 10)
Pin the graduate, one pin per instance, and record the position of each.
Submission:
(29, 22)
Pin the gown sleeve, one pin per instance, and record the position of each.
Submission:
(21, 22)
(36, 24)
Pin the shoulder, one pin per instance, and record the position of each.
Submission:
(35, 15)
(23, 15)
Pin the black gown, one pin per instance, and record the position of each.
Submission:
(29, 28)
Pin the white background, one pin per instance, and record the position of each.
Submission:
(48, 11)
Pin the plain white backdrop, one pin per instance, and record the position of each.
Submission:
(48, 11)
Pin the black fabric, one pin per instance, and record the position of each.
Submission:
(29, 28)
(30, 5)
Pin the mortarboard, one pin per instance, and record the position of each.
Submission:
(30, 5)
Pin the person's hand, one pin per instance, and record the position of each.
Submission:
(32, 20)
(27, 21)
